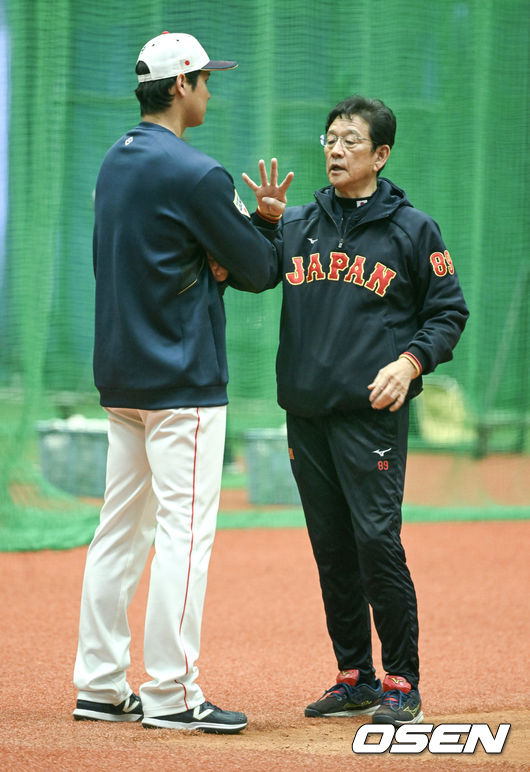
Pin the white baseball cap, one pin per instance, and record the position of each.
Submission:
(171, 53)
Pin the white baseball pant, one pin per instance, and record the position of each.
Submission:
(163, 481)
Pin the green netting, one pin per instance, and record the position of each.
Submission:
(455, 74)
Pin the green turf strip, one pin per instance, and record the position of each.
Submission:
(294, 518)
(32, 530)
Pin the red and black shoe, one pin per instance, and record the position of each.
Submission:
(347, 698)
(401, 704)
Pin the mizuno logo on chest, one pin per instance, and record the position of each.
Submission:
(341, 268)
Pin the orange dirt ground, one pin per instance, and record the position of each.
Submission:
(265, 650)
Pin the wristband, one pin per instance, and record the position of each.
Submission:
(413, 361)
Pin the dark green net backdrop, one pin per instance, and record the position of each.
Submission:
(455, 74)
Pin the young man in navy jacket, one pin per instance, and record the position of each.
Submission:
(166, 215)
(371, 301)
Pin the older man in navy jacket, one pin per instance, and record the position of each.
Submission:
(371, 301)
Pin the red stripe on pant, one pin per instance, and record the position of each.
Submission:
(191, 546)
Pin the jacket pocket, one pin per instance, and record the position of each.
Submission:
(190, 276)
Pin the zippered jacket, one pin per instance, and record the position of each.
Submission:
(160, 206)
(357, 296)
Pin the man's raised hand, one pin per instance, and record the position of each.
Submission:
(270, 196)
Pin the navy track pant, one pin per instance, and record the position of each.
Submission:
(350, 471)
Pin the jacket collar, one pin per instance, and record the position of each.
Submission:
(387, 198)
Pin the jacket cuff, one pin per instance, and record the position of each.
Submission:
(267, 219)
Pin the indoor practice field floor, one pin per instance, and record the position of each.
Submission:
(265, 650)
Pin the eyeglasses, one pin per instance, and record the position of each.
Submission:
(348, 142)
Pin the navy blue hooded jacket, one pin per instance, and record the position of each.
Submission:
(355, 297)
(161, 205)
